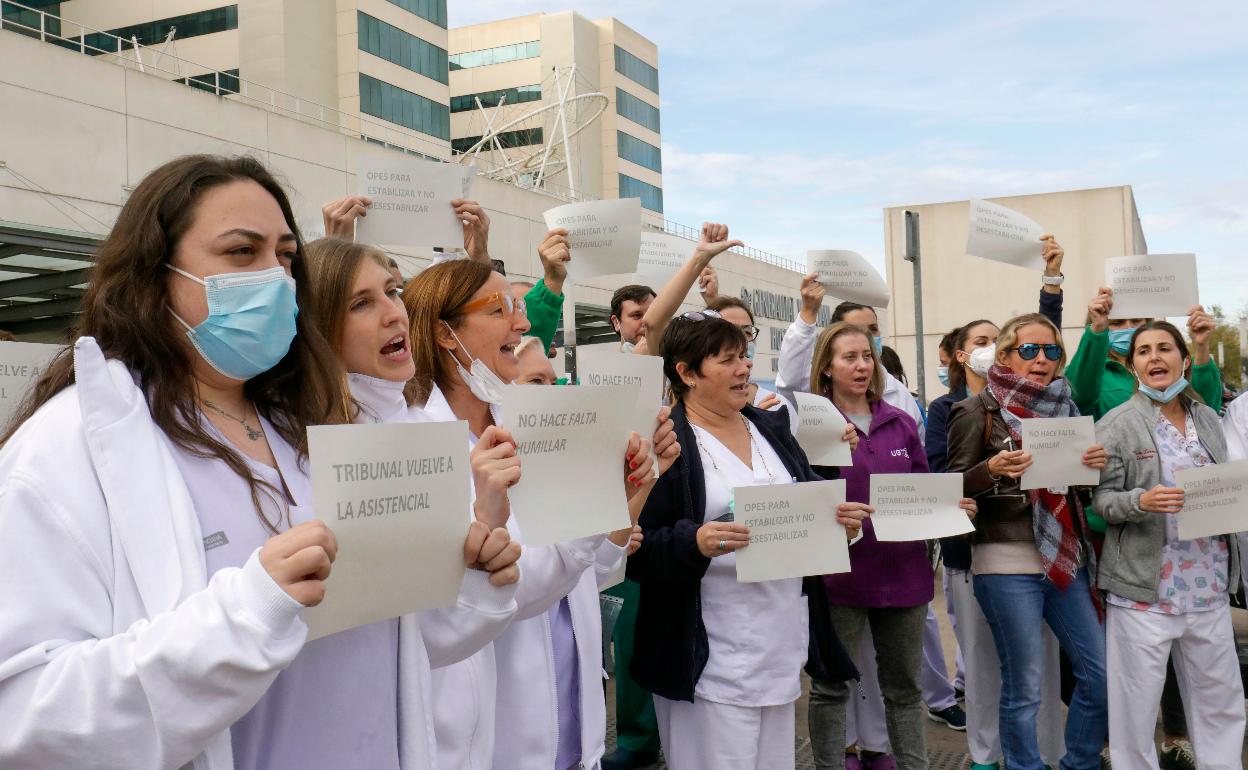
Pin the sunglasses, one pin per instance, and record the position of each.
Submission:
(750, 330)
(500, 299)
(1029, 350)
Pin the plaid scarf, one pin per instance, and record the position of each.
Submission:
(1053, 512)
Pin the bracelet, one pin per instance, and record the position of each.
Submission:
(1053, 280)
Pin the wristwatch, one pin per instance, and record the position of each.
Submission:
(1053, 280)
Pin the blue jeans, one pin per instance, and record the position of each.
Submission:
(1015, 606)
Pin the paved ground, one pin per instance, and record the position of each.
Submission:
(946, 748)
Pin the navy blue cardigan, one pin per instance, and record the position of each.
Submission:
(670, 647)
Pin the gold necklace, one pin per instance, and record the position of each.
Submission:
(255, 434)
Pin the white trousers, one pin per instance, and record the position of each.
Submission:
(864, 711)
(705, 735)
(983, 681)
(1137, 645)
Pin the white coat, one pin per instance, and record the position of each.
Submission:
(480, 723)
(115, 648)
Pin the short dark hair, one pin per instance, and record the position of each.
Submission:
(691, 342)
(633, 292)
(946, 342)
(723, 301)
(847, 307)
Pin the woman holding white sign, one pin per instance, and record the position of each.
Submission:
(722, 657)
(1167, 596)
(525, 702)
(1031, 551)
(891, 583)
(156, 536)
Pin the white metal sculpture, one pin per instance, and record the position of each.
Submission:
(561, 119)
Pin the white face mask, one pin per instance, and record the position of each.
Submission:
(980, 360)
(481, 380)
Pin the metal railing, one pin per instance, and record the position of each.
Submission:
(149, 59)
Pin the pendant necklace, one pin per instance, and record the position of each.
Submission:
(255, 434)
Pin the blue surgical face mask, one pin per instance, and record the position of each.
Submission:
(749, 349)
(878, 342)
(1167, 395)
(250, 323)
(1120, 340)
(942, 374)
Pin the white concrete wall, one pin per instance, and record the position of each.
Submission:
(89, 130)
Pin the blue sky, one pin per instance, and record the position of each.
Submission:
(797, 122)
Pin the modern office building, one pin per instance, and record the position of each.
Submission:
(503, 71)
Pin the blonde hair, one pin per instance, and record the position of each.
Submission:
(821, 383)
(529, 342)
(1008, 338)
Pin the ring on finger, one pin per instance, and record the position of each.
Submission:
(722, 545)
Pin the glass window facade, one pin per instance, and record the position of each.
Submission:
(25, 21)
(402, 48)
(493, 98)
(518, 138)
(225, 82)
(389, 102)
(644, 154)
(207, 22)
(429, 10)
(636, 70)
(641, 113)
(651, 196)
(499, 55)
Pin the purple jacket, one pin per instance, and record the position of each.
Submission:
(884, 574)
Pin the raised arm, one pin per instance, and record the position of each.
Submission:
(713, 243)
(1051, 293)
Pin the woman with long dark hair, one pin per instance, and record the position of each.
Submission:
(157, 543)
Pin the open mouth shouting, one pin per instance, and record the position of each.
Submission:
(396, 349)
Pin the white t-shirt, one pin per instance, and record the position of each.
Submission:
(336, 705)
(757, 632)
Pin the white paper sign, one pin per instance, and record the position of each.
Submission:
(411, 201)
(396, 497)
(1215, 500)
(846, 275)
(662, 254)
(571, 443)
(604, 237)
(1152, 285)
(1057, 445)
(917, 506)
(1004, 235)
(793, 530)
(21, 363)
(469, 173)
(598, 366)
(820, 431)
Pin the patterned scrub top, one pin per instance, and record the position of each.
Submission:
(1194, 573)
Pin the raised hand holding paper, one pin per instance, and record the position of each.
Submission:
(21, 363)
(1152, 285)
(821, 430)
(793, 530)
(1057, 445)
(411, 201)
(662, 254)
(1004, 235)
(1215, 500)
(603, 236)
(917, 506)
(571, 444)
(396, 497)
(846, 275)
(607, 366)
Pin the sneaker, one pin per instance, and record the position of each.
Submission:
(879, 762)
(623, 759)
(1105, 763)
(1178, 755)
(959, 694)
(953, 717)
